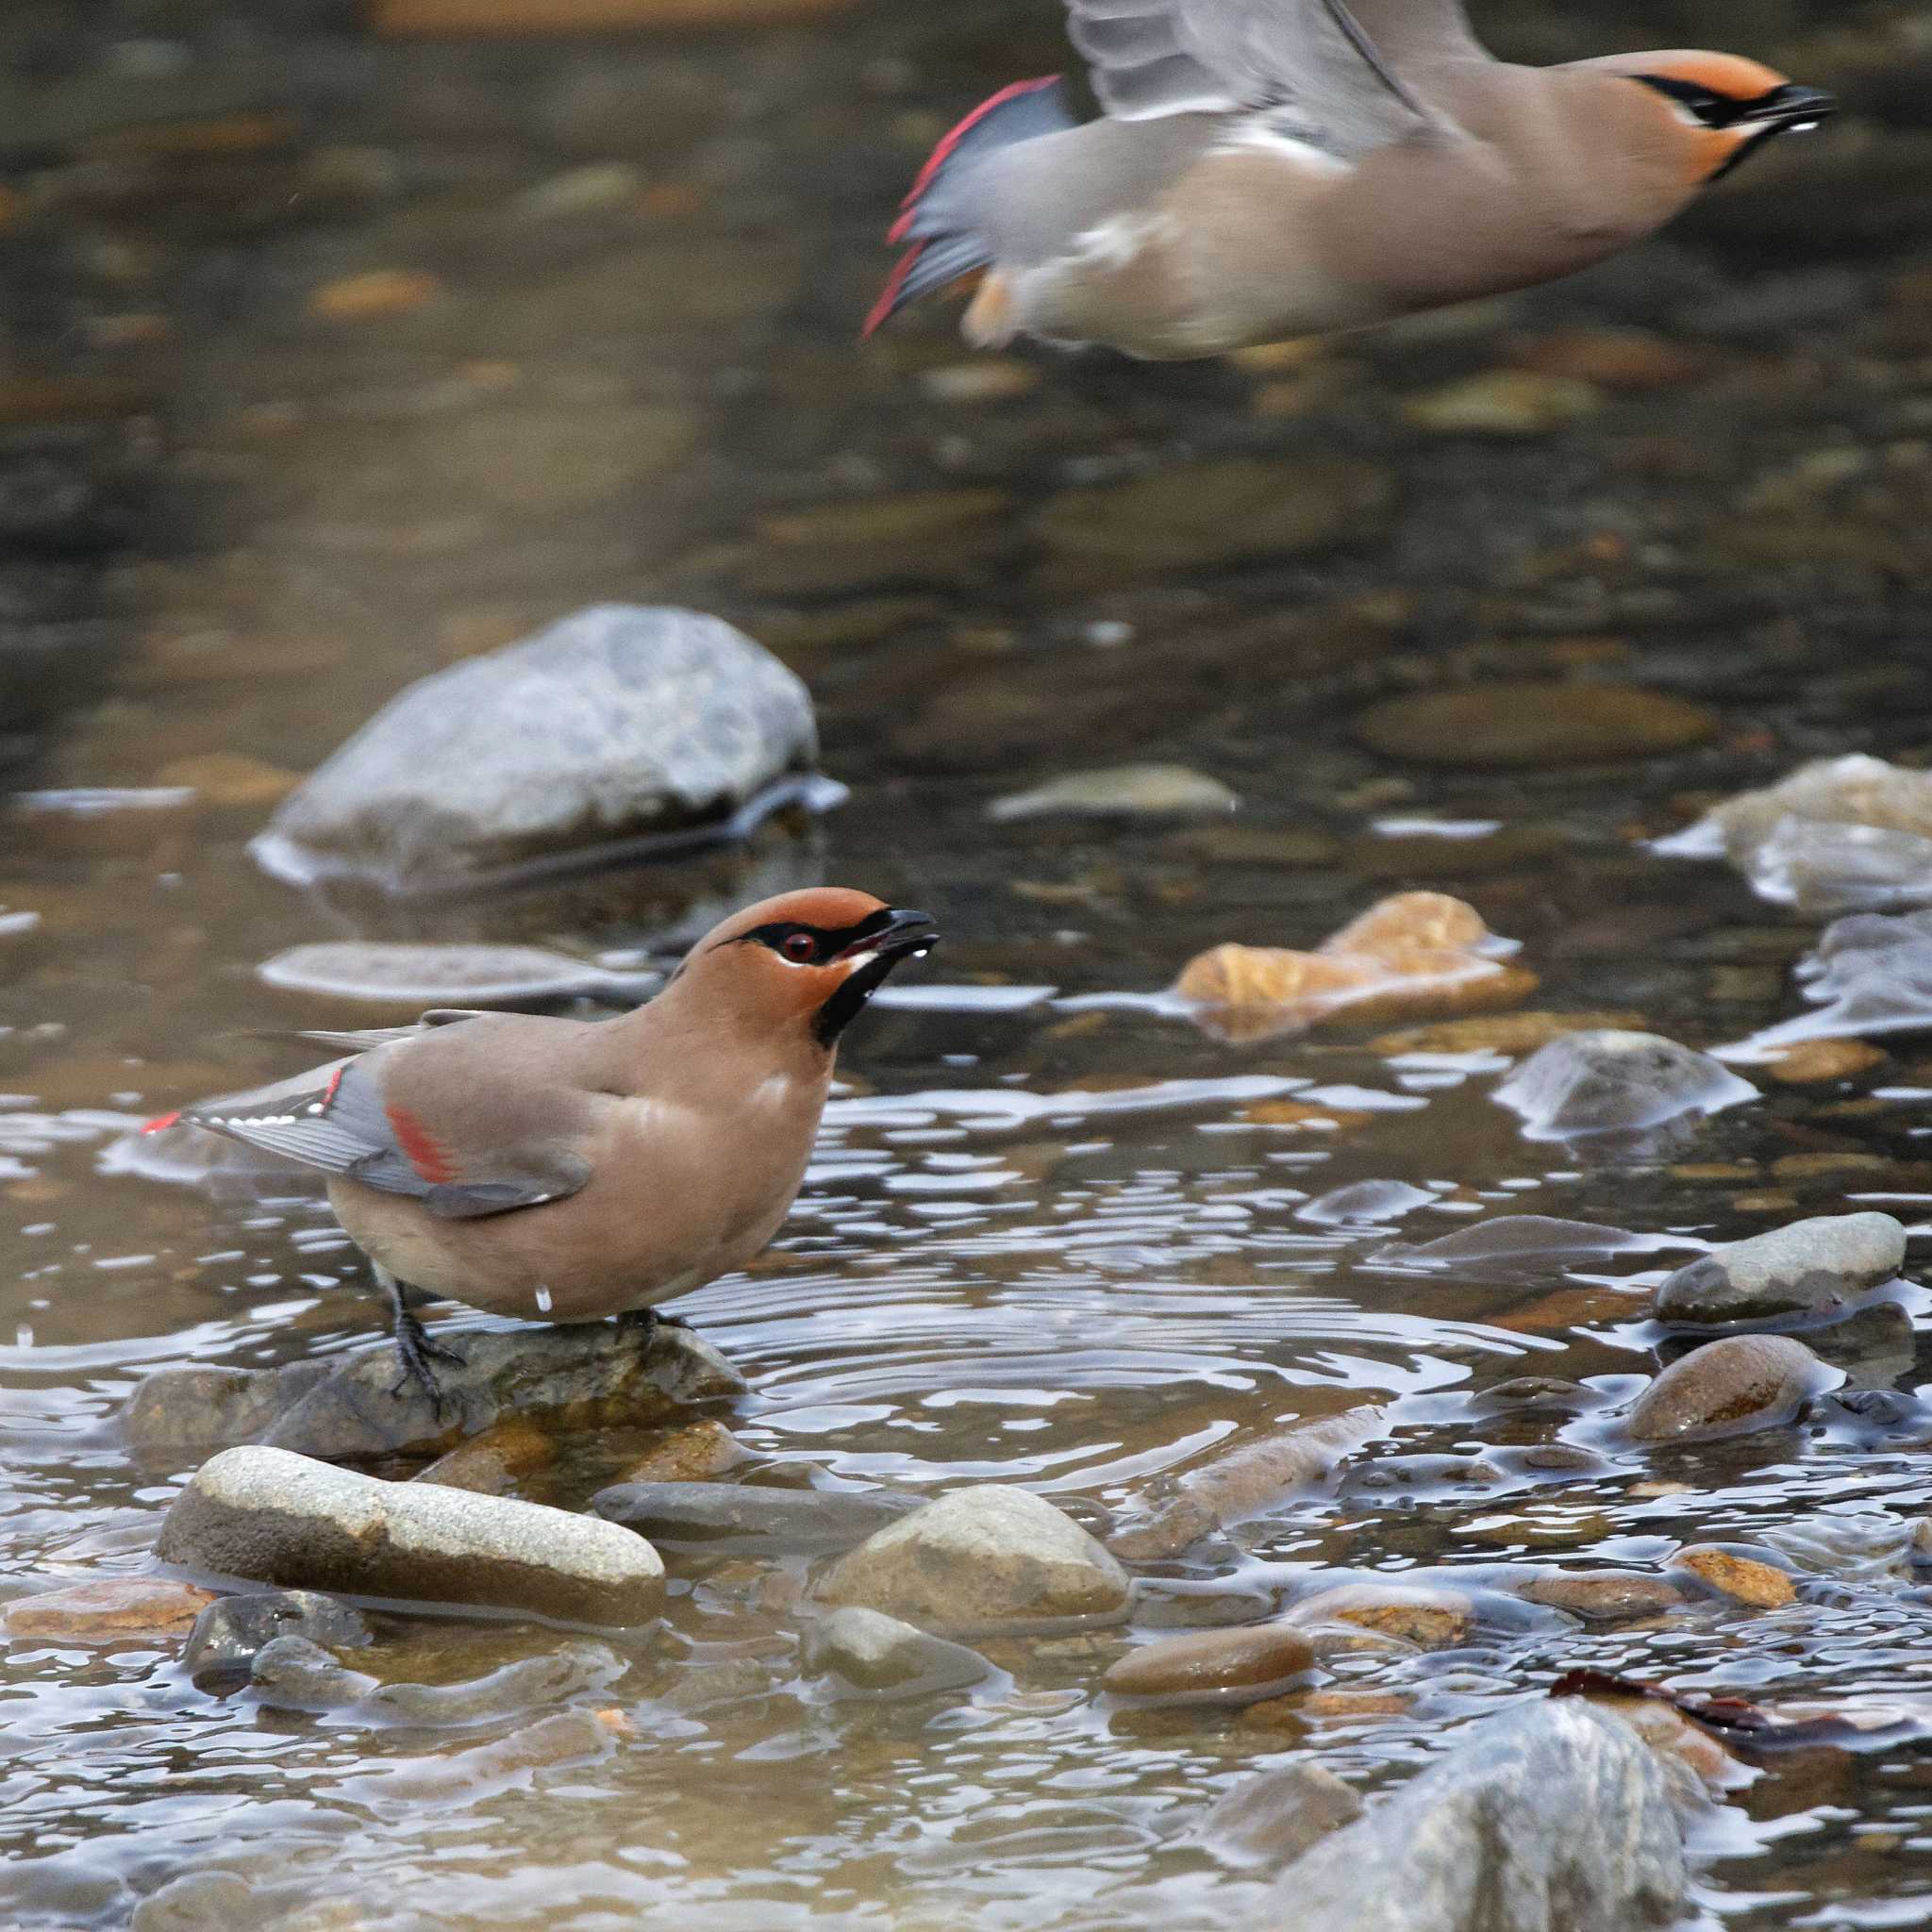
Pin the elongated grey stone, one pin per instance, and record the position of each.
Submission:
(1810, 1268)
(279, 1518)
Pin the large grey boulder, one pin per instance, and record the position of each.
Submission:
(585, 1374)
(617, 723)
(982, 1559)
(1552, 1818)
(276, 1518)
(1809, 1268)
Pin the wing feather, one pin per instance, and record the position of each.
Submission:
(1309, 61)
(342, 1126)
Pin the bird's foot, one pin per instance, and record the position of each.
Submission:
(989, 322)
(647, 1321)
(416, 1351)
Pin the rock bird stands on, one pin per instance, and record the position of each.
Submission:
(562, 1170)
(1269, 168)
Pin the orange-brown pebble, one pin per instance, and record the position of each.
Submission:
(1433, 1619)
(229, 777)
(688, 1454)
(1211, 1665)
(106, 1609)
(494, 1463)
(1815, 1061)
(378, 293)
(1761, 1585)
(1413, 953)
(1348, 1705)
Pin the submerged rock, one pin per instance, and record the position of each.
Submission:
(291, 1672)
(523, 1686)
(1602, 1596)
(396, 972)
(1269, 1817)
(1611, 1083)
(879, 1654)
(233, 1630)
(1729, 1387)
(1429, 1618)
(1526, 1245)
(735, 1520)
(1501, 726)
(464, 1776)
(1413, 953)
(1218, 511)
(106, 1609)
(690, 1454)
(1810, 1269)
(1364, 1204)
(496, 1462)
(1243, 1482)
(586, 1374)
(980, 1559)
(1747, 1579)
(1550, 1816)
(617, 723)
(1839, 835)
(1121, 791)
(1212, 1666)
(1870, 974)
(276, 1518)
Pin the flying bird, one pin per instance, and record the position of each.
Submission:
(1271, 168)
(564, 1170)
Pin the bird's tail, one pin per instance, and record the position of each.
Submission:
(944, 246)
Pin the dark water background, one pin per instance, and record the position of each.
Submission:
(231, 524)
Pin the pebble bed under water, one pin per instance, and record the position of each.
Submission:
(1059, 1243)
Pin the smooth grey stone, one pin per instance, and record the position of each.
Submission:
(734, 1519)
(228, 1634)
(1728, 1388)
(618, 723)
(1810, 1268)
(985, 1559)
(1553, 1816)
(879, 1653)
(283, 1519)
(1269, 1817)
(293, 1673)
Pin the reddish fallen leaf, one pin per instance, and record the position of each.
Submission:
(1741, 1725)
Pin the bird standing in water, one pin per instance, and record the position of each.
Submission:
(1271, 168)
(563, 1170)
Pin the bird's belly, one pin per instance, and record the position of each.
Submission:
(638, 1232)
(1227, 256)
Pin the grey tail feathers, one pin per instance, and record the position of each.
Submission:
(943, 247)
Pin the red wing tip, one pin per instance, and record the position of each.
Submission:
(881, 310)
(936, 159)
(161, 1120)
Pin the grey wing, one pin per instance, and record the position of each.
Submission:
(1310, 64)
(337, 1122)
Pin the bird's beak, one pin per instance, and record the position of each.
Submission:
(904, 934)
(1792, 110)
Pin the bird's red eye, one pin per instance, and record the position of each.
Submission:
(800, 948)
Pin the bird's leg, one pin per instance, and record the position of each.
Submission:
(414, 1348)
(649, 1321)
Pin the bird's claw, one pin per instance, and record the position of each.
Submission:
(416, 1351)
(649, 1321)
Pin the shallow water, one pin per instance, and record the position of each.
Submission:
(1060, 1246)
